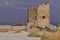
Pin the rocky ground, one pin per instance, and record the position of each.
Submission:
(16, 36)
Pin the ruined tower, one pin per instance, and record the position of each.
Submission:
(39, 15)
(31, 16)
(43, 14)
(32, 13)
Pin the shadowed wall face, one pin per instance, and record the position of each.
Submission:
(32, 11)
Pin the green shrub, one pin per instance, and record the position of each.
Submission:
(45, 38)
(33, 34)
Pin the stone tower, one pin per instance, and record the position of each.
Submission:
(43, 14)
(31, 16)
(32, 13)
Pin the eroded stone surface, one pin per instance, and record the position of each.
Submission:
(16, 36)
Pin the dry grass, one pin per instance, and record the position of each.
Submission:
(34, 32)
(3, 29)
(16, 29)
(51, 35)
(46, 35)
(33, 29)
(55, 36)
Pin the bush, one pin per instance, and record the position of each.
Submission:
(33, 34)
(34, 29)
(44, 37)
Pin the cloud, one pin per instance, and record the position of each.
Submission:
(1, 4)
(6, 3)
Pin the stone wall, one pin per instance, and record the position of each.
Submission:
(31, 13)
(43, 14)
(40, 14)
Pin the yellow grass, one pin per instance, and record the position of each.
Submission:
(45, 34)
(33, 30)
(3, 29)
(52, 35)
(55, 36)
(16, 29)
